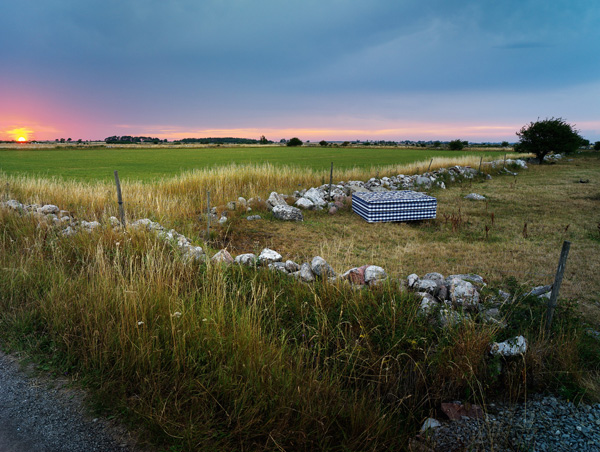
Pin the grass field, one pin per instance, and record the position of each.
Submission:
(204, 357)
(155, 163)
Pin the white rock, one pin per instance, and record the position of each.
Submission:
(306, 273)
(412, 279)
(268, 256)
(427, 285)
(222, 256)
(315, 196)
(510, 347)
(246, 259)
(304, 203)
(475, 197)
(49, 208)
(428, 303)
(69, 231)
(194, 253)
(463, 293)
(222, 220)
(275, 199)
(89, 225)
(430, 423)
(374, 274)
(287, 213)
(320, 267)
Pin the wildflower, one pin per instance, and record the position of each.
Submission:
(140, 323)
(204, 320)
(176, 314)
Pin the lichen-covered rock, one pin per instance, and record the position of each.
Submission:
(427, 285)
(321, 268)
(222, 257)
(268, 256)
(248, 259)
(315, 197)
(471, 277)
(69, 231)
(275, 199)
(291, 266)
(374, 275)
(287, 213)
(304, 203)
(279, 266)
(412, 280)
(49, 208)
(463, 293)
(355, 275)
(89, 225)
(511, 347)
(306, 273)
(475, 197)
(428, 303)
(193, 253)
(253, 217)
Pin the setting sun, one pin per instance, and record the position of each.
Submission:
(21, 139)
(20, 134)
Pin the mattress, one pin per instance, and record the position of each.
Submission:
(403, 205)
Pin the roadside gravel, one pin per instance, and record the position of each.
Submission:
(44, 415)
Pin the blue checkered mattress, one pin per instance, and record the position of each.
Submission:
(403, 205)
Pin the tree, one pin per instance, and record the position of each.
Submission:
(263, 140)
(456, 145)
(323, 143)
(437, 144)
(346, 143)
(585, 143)
(294, 142)
(550, 135)
(505, 144)
(597, 146)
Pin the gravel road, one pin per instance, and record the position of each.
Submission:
(43, 415)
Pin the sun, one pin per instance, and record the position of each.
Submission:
(21, 139)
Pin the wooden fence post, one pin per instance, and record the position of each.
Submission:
(557, 282)
(429, 165)
(480, 160)
(120, 199)
(330, 180)
(504, 165)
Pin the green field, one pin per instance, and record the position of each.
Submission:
(154, 163)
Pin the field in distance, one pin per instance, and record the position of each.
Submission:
(149, 164)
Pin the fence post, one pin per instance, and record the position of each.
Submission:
(330, 180)
(120, 199)
(480, 160)
(429, 165)
(208, 214)
(504, 165)
(557, 282)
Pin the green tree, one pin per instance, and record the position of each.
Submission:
(294, 142)
(437, 144)
(456, 145)
(505, 144)
(597, 146)
(323, 143)
(550, 135)
(263, 140)
(346, 143)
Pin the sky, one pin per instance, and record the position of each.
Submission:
(475, 70)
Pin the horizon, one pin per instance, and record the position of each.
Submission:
(375, 71)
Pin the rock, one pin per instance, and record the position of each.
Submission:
(222, 220)
(463, 293)
(253, 217)
(356, 275)
(268, 256)
(304, 203)
(231, 205)
(491, 315)
(14, 204)
(333, 210)
(412, 280)
(379, 189)
(279, 266)
(358, 189)
(114, 222)
(449, 318)
(434, 276)
(427, 285)
(321, 268)
(423, 181)
(248, 259)
(275, 199)
(306, 273)
(222, 257)
(315, 196)
(193, 253)
(441, 184)
(475, 197)
(510, 347)
(540, 290)
(374, 275)
(430, 423)
(456, 411)
(291, 266)
(471, 277)
(428, 303)
(49, 208)
(89, 225)
(242, 202)
(287, 213)
(69, 231)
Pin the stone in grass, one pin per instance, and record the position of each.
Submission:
(315, 197)
(275, 199)
(248, 259)
(279, 266)
(374, 275)
(268, 256)
(540, 291)
(291, 266)
(427, 285)
(306, 273)
(356, 275)
(428, 303)
(89, 225)
(471, 277)
(69, 231)
(463, 293)
(193, 253)
(515, 346)
(49, 208)
(287, 213)
(412, 280)
(449, 318)
(253, 217)
(430, 423)
(475, 197)
(222, 257)
(321, 268)
(304, 203)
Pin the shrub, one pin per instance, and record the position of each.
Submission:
(456, 145)
(597, 146)
(294, 142)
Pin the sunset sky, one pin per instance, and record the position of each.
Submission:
(476, 70)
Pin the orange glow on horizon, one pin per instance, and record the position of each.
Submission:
(20, 134)
(21, 139)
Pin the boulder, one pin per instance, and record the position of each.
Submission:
(511, 347)
(412, 280)
(279, 266)
(428, 303)
(193, 253)
(253, 217)
(463, 293)
(291, 266)
(69, 231)
(315, 196)
(427, 285)
(222, 257)
(231, 205)
(287, 213)
(306, 273)
(89, 225)
(14, 204)
(374, 275)
(242, 202)
(423, 181)
(540, 291)
(471, 277)
(304, 203)
(268, 256)
(321, 268)
(275, 199)
(248, 259)
(429, 424)
(434, 276)
(356, 275)
(49, 208)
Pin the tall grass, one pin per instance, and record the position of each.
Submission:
(229, 358)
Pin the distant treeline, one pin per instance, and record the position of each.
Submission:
(226, 140)
(130, 139)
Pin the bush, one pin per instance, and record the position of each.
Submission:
(550, 135)
(597, 146)
(323, 143)
(294, 142)
(456, 145)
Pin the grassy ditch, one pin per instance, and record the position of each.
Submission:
(217, 358)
